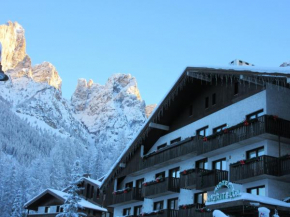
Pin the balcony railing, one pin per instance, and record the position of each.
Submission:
(135, 194)
(235, 134)
(165, 186)
(285, 165)
(192, 211)
(248, 129)
(188, 179)
(163, 213)
(173, 151)
(263, 165)
(210, 178)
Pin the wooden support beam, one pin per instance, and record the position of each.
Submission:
(159, 126)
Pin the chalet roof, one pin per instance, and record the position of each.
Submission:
(62, 196)
(254, 71)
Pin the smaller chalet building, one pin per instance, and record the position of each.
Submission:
(48, 203)
(220, 139)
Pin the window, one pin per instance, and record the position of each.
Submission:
(236, 88)
(213, 99)
(219, 128)
(174, 173)
(190, 110)
(206, 102)
(92, 192)
(219, 164)
(126, 211)
(160, 175)
(254, 115)
(173, 204)
(161, 146)
(129, 185)
(47, 209)
(57, 208)
(257, 191)
(139, 183)
(255, 153)
(202, 131)
(137, 210)
(200, 199)
(202, 164)
(158, 205)
(175, 140)
(88, 191)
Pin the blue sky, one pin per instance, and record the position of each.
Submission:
(154, 40)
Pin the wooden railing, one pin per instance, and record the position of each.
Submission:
(173, 151)
(133, 195)
(164, 213)
(168, 185)
(200, 145)
(188, 178)
(284, 165)
(248, 129)
(263, 165)
(191, 212)
(210, 178)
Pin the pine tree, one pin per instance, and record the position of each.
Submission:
(17, 205)
(71, 205)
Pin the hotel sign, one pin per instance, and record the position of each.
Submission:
(228, 194)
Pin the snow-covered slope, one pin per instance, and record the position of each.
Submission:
(46, 133)
(112, 112)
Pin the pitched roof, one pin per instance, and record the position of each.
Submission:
(267, 72)
(62, 196)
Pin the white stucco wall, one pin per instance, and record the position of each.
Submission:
(230, 115)
(278, 102)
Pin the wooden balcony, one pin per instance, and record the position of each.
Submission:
(170, 153)
(192, 212)
(245, 169)
(209, 178)
(135, 194)
(188, 179)
(166, 186)
(164, 213)
(284, 163)
(243, 131)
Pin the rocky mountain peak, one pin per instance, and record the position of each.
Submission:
(17, 63)
(46, 72)
(285, 64)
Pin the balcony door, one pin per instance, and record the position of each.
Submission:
(174, 173)
(202, 164)
(172, 204)
(139, 183)
(220, 164)
(200, 199)
(158, 205)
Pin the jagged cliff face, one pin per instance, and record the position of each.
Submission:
(113, 112)
(108, 116)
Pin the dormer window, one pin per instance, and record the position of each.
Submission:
(254, 115)
(202, 131)
(175, 140)
(161, 146)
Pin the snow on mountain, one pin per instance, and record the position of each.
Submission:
(46, 133)
(285, 64)
(112, 112)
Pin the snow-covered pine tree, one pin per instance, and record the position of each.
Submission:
(71, 205)
(17, 205)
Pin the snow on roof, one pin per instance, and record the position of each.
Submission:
(252, 197)
(96, 182)
(63, 195)
(283, 70)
